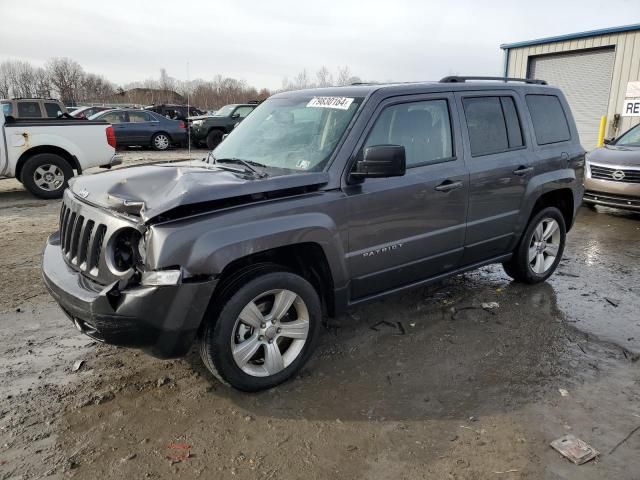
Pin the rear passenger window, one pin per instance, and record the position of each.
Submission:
(29, 110)
(422, 128)
(549, 121)
(493, 125)
(52, 109)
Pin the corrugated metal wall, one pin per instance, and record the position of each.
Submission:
(626, 67)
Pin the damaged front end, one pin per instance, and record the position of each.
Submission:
(95, 268)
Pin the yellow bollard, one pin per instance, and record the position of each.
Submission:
(603, 126)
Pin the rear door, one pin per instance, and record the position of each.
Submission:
(405, 229)
(141, 126)
(499, 158)
(118, 120)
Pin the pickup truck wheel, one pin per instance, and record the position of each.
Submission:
(46, 175)
(214, 137)
(160, 141)
(265, 331)
(540, 248)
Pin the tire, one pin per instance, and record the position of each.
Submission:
(160, 141)
(214, 137)
(46, 175)
(261, 297)
(540, 249)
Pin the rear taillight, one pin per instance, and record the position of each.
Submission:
(181, 124)
(111, 136)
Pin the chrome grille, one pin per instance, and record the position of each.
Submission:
(623, 175)
(84, 234)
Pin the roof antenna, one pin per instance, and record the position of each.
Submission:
(188, 112)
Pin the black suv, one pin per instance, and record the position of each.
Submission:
(321, 200)
(210, 130)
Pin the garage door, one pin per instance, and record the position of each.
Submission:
(585, 78)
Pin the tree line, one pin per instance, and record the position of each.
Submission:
(65, 79)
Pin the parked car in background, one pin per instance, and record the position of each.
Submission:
(86, 112)
(175, 112)
(144, 128)
(209, 130)
(612, 175)
(321, 200)
(43, 153)
(33, 108)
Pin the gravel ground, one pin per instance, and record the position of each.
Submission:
(462, 393)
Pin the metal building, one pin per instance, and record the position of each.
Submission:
(595, 69)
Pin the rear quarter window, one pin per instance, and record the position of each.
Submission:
(549, 120)
(7, 108)
(52, 109)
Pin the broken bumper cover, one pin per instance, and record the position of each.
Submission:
(162, 320)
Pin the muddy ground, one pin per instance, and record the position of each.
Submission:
(458, 393)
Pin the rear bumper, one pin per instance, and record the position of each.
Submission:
(115, 160)
(161, 320)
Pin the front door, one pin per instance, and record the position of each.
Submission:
(500, 165)
(405, 229)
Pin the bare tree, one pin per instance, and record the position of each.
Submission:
(66, 76)
(344, 74)
(324, 77)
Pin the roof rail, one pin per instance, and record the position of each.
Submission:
(457, 79)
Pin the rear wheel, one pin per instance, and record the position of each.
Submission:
(46, 175)
(214, 137)
(540, 248)
(161, 141)
(265, 331)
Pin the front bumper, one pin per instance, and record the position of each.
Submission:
(611, 193)
(162, 320)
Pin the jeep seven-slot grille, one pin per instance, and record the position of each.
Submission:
(81, 240)
(615, 174)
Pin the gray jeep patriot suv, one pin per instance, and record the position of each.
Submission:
(320, 200)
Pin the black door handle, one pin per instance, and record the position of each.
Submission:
(448, 185)
(521, 170)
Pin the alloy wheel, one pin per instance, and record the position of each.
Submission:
(161, 142)
(48, 177)
(544, 246)
(270, 333)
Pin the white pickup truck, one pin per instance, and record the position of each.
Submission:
(44, 153)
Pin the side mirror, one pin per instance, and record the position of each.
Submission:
(381, 161)
(225, 135)
(609, 141)
(59, 114)
(235, 115)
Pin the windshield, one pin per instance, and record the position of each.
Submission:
(295, 134)
(631, 138)
(225, 111)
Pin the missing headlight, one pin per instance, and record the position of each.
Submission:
(124, 249)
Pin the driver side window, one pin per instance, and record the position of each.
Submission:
(422, 128)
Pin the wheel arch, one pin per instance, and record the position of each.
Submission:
(61, 152)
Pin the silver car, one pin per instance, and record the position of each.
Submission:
(612, 176)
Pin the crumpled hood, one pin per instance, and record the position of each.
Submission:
(150, 190)
(616, 155)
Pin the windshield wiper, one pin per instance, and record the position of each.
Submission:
(248, 164)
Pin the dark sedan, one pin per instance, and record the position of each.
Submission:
(144, 128)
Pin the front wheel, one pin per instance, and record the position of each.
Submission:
(46, 175)
(264, 333)
(540, 248)
(214, 137)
